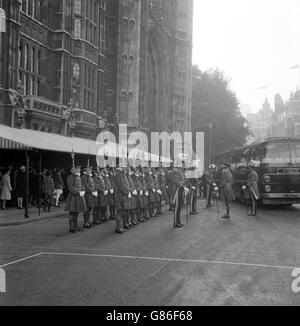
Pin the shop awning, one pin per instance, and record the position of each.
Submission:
(12, 138)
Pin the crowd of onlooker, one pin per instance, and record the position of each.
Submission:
(46, 188)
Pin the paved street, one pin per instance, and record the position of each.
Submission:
(246, 261)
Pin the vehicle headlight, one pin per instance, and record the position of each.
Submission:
(268, 188)
(267, 178)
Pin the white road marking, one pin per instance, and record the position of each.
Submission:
(171, 260)
(23, 259)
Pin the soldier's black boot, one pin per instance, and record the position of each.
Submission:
(76, 223)
(86, 220)
(126, 220)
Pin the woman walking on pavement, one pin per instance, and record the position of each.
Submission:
(48, 190)
(6, 189)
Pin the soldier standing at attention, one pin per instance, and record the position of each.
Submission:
(145, 212)
(102, 197)
(89, 187)
(158, 194)
(133, 204)
(75, 203)
(193, 191)
(97, 186)
(178, 184)
(226, 186)
(122, 197)
(253, 188)
(162, 182)
(112, 208)
(151, 191)
(170, 187)
(109, 189)
(139, 196)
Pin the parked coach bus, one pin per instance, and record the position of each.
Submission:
(277, 161)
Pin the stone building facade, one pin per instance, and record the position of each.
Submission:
(86, 64)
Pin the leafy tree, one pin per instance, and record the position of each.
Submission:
(214, 102)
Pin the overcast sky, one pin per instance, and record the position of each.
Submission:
(253, 41)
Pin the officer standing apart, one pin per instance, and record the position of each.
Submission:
(209, 180)
(227, 191)
(177, 179)
(253, 188)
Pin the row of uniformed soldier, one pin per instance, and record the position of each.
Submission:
(131, 196)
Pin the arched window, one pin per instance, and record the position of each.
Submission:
(21, 55)
(32, 60)
(77, 28)
(33, 8)
(39, 63)
(76, 71)
(30, 7)
(26, 57)
(25, 5)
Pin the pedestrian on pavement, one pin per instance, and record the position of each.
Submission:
(226, 187)
(48, 190)
(21, 186)
(75, 203)
(253, 188)
(6, 189)
(58, 187)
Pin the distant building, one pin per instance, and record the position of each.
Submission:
(260, 123)
(286, 118)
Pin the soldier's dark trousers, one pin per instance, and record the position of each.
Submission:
(139, 215)
(193, 201)
(158, 208)
(227, 205)
(134, 216)
(96, 215)
(103, 214)
(119, 220)
(112, 212)
(71, 223)
(73, 220)
(178, 206)
(209, 190)
(86, 216)
(125, 218)
(145, 212)
(253, 204)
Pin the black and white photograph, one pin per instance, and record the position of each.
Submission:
(149, 155)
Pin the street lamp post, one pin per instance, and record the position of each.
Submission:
(210, 125)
